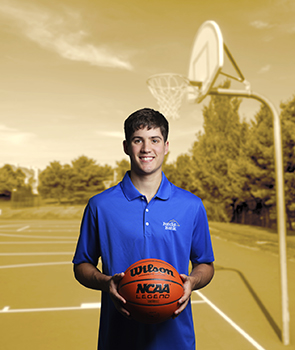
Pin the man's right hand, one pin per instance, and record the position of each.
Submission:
(91, 277)
(117, 299)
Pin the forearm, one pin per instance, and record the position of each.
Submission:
(201, 275)
(89, 276)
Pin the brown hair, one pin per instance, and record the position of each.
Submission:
(143, 118)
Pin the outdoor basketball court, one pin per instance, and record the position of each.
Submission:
(43, 307)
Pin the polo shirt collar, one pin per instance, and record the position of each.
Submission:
(131, 192)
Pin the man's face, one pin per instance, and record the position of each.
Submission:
(146, 150)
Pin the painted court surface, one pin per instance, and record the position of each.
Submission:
(43, 307)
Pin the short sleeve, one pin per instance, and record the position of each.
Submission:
(201, 249)
(88, 247)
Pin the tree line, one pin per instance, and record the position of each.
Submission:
(70, 183)
(77, 182)
(230, 166)
(10, 180)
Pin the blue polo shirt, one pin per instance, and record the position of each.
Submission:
(121, 227)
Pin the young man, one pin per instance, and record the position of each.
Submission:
(144, 216)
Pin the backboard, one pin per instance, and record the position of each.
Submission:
(206, 60)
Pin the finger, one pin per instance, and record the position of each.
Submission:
(180, 309)
(120, 299)
(116, 296)
(186, 295)
(118, 276)
(114, 282)
(122, 310)
(126, 313)
(183, 277)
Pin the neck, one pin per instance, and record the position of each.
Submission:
(148, 185)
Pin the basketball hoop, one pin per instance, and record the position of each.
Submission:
(168, 89)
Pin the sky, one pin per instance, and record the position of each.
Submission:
(72, 71)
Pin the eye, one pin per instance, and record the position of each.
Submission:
(155, 140)
(136, 141)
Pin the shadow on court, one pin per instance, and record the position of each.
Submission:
(258, 301)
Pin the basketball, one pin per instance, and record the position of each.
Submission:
(151, 288)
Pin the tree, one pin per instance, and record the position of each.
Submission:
(120, 169)
(10, 180)
(252, 174)
(181, 172)
(53, 181)
(87, 178)
(288, 132)
(76, 183)
(219, 144)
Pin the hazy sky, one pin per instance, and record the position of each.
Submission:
(72, 71)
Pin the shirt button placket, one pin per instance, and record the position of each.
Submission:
(147, 224)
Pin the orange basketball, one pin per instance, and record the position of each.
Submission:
(152, 288)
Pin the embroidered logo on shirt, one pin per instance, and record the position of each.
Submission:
(171, 225)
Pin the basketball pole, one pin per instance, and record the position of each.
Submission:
(209, 41)
(281, 212)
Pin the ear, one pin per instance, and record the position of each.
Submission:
(125, 147)
(166, 147)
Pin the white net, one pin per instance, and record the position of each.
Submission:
(168, 89)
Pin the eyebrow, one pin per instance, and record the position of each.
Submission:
(151, 137)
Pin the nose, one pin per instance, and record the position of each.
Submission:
(146, 147)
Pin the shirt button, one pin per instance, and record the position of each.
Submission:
(146, 210)
(142, 198)
(147, 223)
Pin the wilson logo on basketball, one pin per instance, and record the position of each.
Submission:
(150, 268)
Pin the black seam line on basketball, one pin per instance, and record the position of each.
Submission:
(153, 305)
(151, 279)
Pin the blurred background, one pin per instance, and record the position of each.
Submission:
(72, 71)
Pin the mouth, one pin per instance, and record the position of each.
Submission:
(146, 159)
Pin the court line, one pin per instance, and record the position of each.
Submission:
(36, 253)
(231, 322)
(88, 306)
(35, 264)
(83, 306)
(198, 302)
(34, 236)
(41, 242)
(22, 228)
(7, 310)
(41, 224)
(97, 305)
